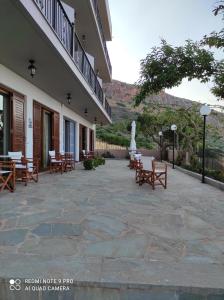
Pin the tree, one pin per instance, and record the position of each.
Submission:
(188, 121)
(166, 66)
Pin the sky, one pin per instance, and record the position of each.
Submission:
(139, 25)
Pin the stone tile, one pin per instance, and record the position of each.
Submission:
(12, 237)
(130, 247)
(57, 229)
(86, 293)
(187, 296)
(127, 233)
(147, 294)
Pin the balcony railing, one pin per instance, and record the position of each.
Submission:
(59, 21)
(107, 107)
(96, 9)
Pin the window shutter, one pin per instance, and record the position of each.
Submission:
(18, 123)
(56, 123)
(37, 131)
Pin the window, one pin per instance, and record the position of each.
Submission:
(4, 123)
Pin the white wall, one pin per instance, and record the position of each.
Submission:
(31, 92)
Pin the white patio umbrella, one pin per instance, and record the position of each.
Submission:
(132, 147)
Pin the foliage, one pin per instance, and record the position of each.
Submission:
(98, 161)
(166, 66)
(119, 134)
(215, 174)
(188, 121)
(89, 164)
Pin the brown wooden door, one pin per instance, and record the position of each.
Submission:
(37, 130)
(91, 140)
(56, 131)
(18, 123)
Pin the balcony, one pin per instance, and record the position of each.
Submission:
(57, 18)
(97, 13)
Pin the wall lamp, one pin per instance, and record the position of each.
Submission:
(69, 98)
(32, 67)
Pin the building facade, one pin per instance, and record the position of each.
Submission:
(53, 60)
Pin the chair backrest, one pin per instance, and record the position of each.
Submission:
(151, 160)
(52, 154)
(15, 155)
(159, 167)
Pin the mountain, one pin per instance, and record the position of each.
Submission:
(120, 97)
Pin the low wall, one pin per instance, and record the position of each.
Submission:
(122, 154)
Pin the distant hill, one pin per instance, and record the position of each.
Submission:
(120, 96)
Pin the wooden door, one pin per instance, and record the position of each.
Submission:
(37, 130)
(91, 140)
(18, 123)
(56, 132)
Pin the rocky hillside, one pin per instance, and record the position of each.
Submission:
(120, 96)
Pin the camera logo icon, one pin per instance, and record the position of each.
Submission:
(15, 284)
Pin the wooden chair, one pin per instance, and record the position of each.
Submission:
(145, 176)
(138, 167)
(7, 175)
(56, 162)
(27, 169)
(159, 170)
(69, 161)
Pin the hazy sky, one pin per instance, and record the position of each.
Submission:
(138, 25)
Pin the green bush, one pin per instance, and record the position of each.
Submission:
(89, 164)
(99, 161)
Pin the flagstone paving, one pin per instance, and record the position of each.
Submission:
(100, 226)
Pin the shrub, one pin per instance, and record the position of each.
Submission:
(89, 164)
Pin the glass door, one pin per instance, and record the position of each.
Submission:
(4, 123)
(47, 137)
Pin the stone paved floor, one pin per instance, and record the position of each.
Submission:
(101, 226)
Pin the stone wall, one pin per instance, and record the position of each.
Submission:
(122, 154)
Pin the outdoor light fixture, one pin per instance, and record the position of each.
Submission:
(173, 128)
(95, 120)
(69, 98)
(160, 143)
(86, 111)
(32, 67)
(205, 110)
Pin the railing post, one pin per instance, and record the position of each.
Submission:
(54, 14)
(72, 40)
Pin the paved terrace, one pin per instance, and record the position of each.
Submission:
(99, 226)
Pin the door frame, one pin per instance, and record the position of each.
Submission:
(11, 93)
(52, 112)
(75, 124)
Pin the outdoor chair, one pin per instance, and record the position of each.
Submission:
(138, 168)
(7, 175)
(87, 154)
(69, 161)
(146, 175)
(159, 170)
(27, 169)
(57, 164)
